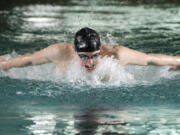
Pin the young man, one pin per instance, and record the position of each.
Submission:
(87, 49)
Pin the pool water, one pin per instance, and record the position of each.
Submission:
(113, 100)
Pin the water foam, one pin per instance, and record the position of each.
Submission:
(108, 71)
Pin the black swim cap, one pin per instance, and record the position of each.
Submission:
(87, 40)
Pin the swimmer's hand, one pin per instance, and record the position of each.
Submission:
(174, 68)
(3, 61)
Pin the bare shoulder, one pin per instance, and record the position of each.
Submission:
(112, 47)
(120, 50)
(60, 47)
(111, 50)
(59, 51)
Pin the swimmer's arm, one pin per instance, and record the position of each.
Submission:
(37, 58)
(130, 56)
(164, 60)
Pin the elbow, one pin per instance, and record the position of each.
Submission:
(149, 59)
(155, 59)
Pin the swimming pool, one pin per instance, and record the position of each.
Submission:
(139, 100)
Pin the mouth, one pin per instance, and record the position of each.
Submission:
(89, 68)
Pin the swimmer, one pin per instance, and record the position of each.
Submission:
(88, 51)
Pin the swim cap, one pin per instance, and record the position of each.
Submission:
(87, 40)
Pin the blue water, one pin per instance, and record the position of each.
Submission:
(135, 100)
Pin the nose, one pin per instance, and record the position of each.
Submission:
(90, 61)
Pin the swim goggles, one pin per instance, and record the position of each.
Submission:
(86, 57)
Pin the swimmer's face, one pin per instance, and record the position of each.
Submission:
(89, 60)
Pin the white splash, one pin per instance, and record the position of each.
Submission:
(108, 71)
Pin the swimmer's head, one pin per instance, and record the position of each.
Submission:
(87, 45)
(87, 40)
